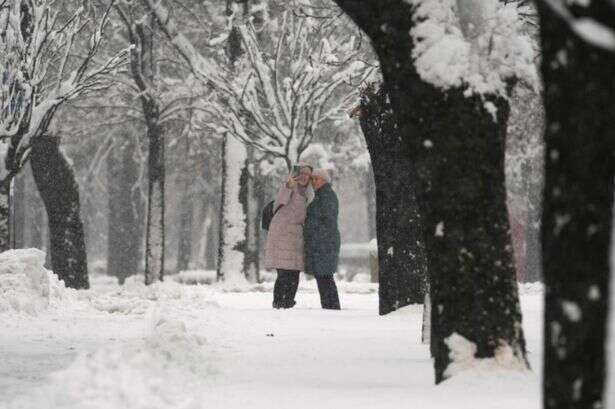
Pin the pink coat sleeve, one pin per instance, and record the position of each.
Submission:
(283, 196)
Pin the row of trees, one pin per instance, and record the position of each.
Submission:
(269, 80)
(281, 79)
(455, 134)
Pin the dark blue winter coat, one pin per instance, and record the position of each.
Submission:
(321, 235)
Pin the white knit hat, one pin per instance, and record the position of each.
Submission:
(323, 174)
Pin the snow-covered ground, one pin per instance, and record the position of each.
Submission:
(179, 346)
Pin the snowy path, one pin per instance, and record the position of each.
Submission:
(236, 352)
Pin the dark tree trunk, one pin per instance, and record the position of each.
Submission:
(457, 150)
(249, 203)
(144, 70)
(533, 266)
(125, 237)
(211, 249)
(401, 252)
(186, 216)
(18, 212)
(36, 215)
(578, 203)
(155, 228)
(5, 211)
(58, 188)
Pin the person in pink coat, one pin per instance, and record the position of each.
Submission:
(284, 249)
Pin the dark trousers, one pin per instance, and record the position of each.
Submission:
(329, 299)
(285, 288)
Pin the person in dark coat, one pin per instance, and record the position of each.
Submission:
(322, 239)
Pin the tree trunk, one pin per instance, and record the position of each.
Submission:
(186, 216)
(578, 204)
(249, 202)
(212, 244)
(457, 150)
(155, 228)
(18, 212)
(233, 221)
(401, 253)
(58, 188)
(125, 236)
(5, 222)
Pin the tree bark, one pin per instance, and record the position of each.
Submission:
(5, 221)
(231, 255)
(401, 252)
(186, 216)
(249, 202)
(18, 212)
(457, 151)
(58, 188)
(212, 239)
(232, 246)
(370, 197)
(155, 227)
(125, 235)
(578, 204)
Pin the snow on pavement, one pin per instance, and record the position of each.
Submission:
(179, 346)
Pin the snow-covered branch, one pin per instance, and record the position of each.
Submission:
(40, 70)
(295, 74)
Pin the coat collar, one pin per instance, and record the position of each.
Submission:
(326, 186)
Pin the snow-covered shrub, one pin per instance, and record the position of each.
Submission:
(25, 284)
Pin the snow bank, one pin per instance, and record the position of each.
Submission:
(150, 373)
(26, 285)
(193, 277)
(134, 297)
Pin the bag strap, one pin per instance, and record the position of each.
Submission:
(276, 210)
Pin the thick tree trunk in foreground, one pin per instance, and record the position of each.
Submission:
(401, 252)
(125, 212)
(58, 188)
(458, 152)
(578, 203)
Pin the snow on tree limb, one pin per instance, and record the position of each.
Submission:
(477, 43)
(41, 70)
(295, 75)
(591, 31)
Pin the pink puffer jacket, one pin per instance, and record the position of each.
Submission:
(284, 249)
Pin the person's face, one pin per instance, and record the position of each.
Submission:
(304, 177)
(317, 182)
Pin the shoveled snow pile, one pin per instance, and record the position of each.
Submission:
(154, 372)
(134, 297)
(26, 285)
